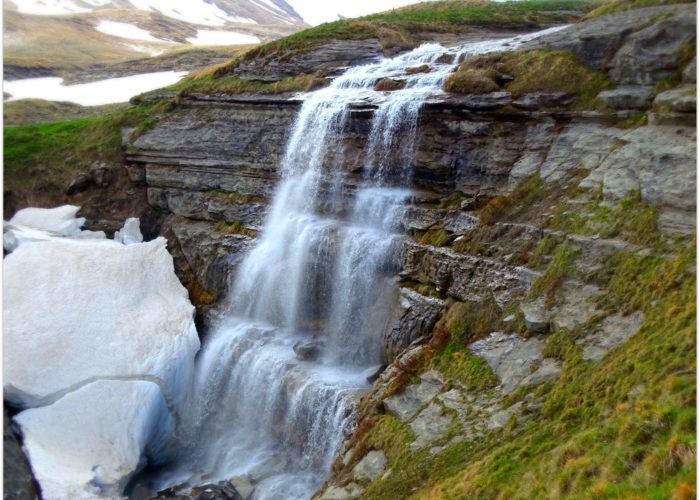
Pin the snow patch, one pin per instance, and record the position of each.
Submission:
(89, 443)
(108, 91)
(61, 221)
(193, 11)
(48, 7)
(213, 37)
(125, 30)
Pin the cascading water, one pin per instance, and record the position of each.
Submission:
(322, 277)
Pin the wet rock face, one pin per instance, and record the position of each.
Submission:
(414, 317)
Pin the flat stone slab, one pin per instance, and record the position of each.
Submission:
(406, 404)
(371, 466)
(628, 97)
(612, 331)
(429, 425)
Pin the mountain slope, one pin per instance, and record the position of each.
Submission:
(60, 36)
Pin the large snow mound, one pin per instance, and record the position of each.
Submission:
(79, 310)
(89, 443)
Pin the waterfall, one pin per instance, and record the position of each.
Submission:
(321, 279)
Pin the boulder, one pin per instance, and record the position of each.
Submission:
(500, 420)
(350, 491)
(414, 70)
(548, 370)
(81, 182)
(596, 41)
(431, 424)
(537, 100)
(412, 318)
(654, 52)
(308, 350)
(659, 163)
(628, 97)
(89, 443)
(405, 405)
(100, 174)
(511, 357)
(611, 332)
(682, 99)
(536, 317)
(95, 295)
(371, 466)
(389, 84)
(243, 486)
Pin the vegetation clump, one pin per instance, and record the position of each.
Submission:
(631, 219)
(235, 227)
(234, 197)
(531, 71)
(461, 366)
(559, 267)
(60, 149)
(211, 84)
(470, 321)
(437, 237)
(524, 194)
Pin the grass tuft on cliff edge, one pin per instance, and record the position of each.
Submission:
(533, 71)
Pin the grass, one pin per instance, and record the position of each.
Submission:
(437, 237)
(461, 366)
(211, 84)
(533, 71)
(524, 194)
(559, 267)
(55, 151)
(470, 321)
(33, 111)
(623, 427)
(235, 227)
(632, 220)
(611, 6)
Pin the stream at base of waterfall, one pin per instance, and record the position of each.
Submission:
(321, 279)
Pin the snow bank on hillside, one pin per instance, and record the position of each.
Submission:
(192, 11)
(125, 30)
(214, 37)
(108, 91)
(89, 443)
(76, 310)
